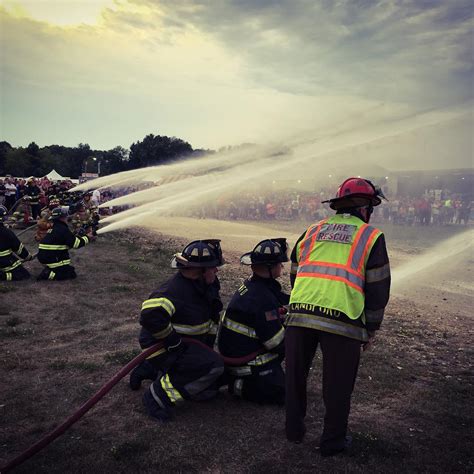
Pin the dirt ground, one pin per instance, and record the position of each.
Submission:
(412, 404)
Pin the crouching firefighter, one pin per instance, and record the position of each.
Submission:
(54, 247)
(252, 323)
(186, 305)
(12, 253)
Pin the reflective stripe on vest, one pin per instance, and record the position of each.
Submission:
(59, 264)
(78, 242)
(195, 330)
(263, 359)
(275, 340)
(377, 274)
(11, 267)
(165, 332)
(240, 328)
(5, 253)
(308, 242)
(360, 246)
(328, 325)
(239, 371)
(172, 393)
(330, 270)
(52, 247)
(155, 354)
(163, 303)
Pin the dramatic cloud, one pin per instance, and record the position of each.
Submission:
(387, 50)
(222, 72)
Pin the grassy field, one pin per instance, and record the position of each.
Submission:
(412, 406)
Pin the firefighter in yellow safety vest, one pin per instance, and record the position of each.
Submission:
(340, 279)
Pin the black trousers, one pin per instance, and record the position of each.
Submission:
(188, 375)
(341, 357)
(66, 272)
(265, 385)
(35, 210)
(19, 273)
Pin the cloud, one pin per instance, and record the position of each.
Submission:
(387, 50)
(217, 73)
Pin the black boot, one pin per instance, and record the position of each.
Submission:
(160, 413)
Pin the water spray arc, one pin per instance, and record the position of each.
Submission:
(207, 177)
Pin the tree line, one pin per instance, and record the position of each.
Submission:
(73, 161)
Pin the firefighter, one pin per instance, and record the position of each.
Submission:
(53, 249)
(12, 253)
(43, 225)
(252, 323)
(32, 195)
(187, 305)
(340, 286)
(44, 222)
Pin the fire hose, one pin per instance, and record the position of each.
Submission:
(50, 437)
(27, 229)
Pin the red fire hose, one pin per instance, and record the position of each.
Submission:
(50, 437)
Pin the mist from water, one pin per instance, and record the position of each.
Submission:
(435, 264)
(365, 145)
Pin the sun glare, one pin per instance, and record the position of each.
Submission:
(59, 12)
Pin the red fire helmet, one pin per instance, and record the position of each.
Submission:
(356, 192)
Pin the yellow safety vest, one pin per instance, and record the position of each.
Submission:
(332, 258)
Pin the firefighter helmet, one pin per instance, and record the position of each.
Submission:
(267, 252)
(199, 253)
(59, 212)
(356, 192)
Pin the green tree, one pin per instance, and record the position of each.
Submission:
(4, 148)
(155, 150)
(113, 161)
(17, 162)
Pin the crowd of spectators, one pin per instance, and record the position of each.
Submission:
(13, 189)
(432, 207)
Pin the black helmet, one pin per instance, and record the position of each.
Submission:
(59, 212)
(267, 252)
(3, 212)
(199, 253)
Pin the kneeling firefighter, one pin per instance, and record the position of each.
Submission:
(186, 305)
(252, 323)
(54, 247)
(12, 253)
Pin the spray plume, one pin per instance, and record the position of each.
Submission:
(355, 148)
(435, 263)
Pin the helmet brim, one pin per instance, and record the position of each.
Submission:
(246, 259)
(178, 261)
(355, 200)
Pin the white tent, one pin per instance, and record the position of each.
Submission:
(53, 175)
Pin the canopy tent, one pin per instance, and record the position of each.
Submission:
(53, 175)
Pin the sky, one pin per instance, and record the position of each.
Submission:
(223, 72)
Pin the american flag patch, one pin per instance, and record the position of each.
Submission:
(272, 315)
